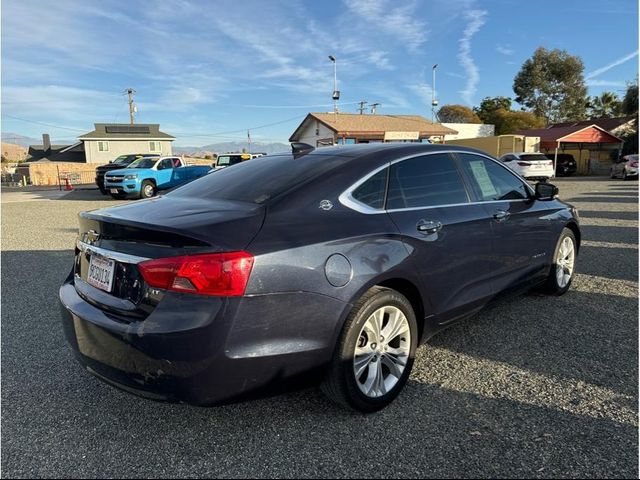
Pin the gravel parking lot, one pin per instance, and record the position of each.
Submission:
(531, 387)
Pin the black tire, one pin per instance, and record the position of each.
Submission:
(340, 384)
(552, 286)
(147, 189)
(624, 174)
(103, 191)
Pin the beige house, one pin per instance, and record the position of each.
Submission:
(321, 129)
(109, 141)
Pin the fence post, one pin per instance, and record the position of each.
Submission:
(59, 184)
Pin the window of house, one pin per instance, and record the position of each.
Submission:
(425, 181)
(103, 146)
(154, 146)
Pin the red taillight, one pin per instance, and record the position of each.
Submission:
(634, 164)
(524, 164)
(219, 274)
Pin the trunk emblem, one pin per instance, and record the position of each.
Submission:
(326, 205)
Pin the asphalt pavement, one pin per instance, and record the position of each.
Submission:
(533, 386)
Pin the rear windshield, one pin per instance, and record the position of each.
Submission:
(226, 160)
(260, 179)
(533, 156)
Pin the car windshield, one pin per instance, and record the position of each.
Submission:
(533, 157)
(147, 162)
(260, 179)
(122, 159)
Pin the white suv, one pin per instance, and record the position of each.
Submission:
(532, 166)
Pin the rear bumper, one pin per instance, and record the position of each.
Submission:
(566, 169)
(206, 350)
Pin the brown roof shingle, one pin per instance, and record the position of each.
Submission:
(354, 123)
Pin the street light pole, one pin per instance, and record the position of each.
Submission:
(434, 101)
(336, 92)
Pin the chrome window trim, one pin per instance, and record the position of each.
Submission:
(110, 254)
(347, 200)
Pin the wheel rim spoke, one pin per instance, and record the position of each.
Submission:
(565, 262)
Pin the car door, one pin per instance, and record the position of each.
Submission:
(165, 173)
(448, 237)
(521, 227)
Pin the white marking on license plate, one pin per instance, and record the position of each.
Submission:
(101, 272)
(114, 190)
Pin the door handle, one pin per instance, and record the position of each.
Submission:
(429, 227)
(501, 215)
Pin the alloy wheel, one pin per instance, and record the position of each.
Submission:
(382, 351)
(565, 262)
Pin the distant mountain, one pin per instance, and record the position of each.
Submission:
(9, 137)
(256, 147)
(225, 147)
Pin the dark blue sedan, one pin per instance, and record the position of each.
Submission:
(327, 265)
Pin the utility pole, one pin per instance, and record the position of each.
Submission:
(249, 139)
(374, 106)
(132, 106)
(434, 101)
(361, 108)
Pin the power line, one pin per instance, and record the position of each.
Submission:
(243, 130)
(45, 124)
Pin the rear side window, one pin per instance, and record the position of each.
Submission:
(490, 181)
(534, 157)
(426, 181)
(371, 192)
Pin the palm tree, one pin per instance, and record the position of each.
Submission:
(607, 105)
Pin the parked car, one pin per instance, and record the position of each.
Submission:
(625, 167)
(122, 161)
(144, 177)
(565, 164)
(532, 166)
(228, 159)
(328, 266)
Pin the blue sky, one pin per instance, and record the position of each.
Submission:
(209, 70)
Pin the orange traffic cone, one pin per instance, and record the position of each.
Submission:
(67, 185)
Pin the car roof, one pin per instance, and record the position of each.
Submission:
(366, 149)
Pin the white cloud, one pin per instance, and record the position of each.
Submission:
(505, 49)
(476, 19)
(613, 64)
(398, 21)
(606, 83)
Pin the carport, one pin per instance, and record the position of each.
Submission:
(601, 146)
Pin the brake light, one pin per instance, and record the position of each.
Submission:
(524, 164)
(219, 274)
(634, 164)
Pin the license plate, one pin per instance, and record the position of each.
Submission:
(101, 272)
(114, 190)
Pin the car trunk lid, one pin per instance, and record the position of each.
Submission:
(112, 241)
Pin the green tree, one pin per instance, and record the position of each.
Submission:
(490, 105)
(508, 122)
(607, 105)
(551, 84)
(457, 114)
(630, 101)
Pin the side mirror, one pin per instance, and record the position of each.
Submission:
(546, 191)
